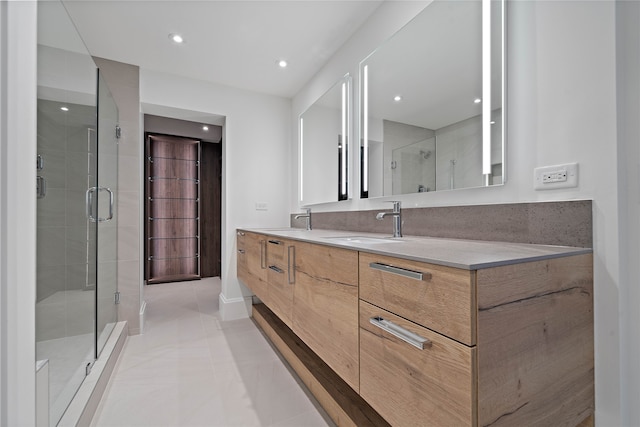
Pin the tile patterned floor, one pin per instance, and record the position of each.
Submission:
(190, 368)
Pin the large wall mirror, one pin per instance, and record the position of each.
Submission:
(432, 99)
(324, 146)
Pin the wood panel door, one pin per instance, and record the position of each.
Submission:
(172, 209)
(210, 209)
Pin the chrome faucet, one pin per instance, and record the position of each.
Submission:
(306, 215)
(397, 218)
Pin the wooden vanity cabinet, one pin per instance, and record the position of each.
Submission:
(280, 279)
(431, 345)
(442, 299)
(430, 385)
(252, 262)
(325, 309)
(313, 289)
(515, 348)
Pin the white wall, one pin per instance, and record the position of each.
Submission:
(561, 107)
(256, 161)
(18, 30)
(628, 55)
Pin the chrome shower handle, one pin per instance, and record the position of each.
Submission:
(110, 217)
(89, 202)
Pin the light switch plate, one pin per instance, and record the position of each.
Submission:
(557, 176)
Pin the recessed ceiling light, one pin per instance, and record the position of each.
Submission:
(176, 38)
(205, 128)
(282, 63)
(64, 108)
(477, 101)
(397, 98)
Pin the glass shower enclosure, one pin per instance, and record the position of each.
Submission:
(76, 173)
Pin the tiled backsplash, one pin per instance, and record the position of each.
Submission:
(565, 223)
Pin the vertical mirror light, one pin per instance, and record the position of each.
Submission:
(301, 159)
(486, 90)
(343, 146)
(365, 131)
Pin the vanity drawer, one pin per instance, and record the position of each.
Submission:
(276, 251)
(241, 244)
(252, 262)
(437, 297)
(280, 276)
(409, 386)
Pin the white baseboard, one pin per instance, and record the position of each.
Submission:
(234, 308)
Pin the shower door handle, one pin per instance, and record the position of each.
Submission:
(90, 199)
(89, 203)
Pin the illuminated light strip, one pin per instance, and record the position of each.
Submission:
(301, 159)
(343, 183)
(365, 130)
(486, 87)
(503, 75)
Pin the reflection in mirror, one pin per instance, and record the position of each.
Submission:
(324, 146)
(431, 102)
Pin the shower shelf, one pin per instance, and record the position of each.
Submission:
(171, 258)
(153, 178)
(151, 159)
(151, 218)
(173, 238)
(151, 199)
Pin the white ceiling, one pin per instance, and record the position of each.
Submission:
(234, 43)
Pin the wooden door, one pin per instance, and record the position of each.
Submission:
(172, 209)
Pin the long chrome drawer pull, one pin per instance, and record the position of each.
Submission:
(275, 242)
(276, 269)
(400, 271)
(400, 332)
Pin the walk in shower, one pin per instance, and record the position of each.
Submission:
(77, 176)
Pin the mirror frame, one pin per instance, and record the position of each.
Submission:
(487, 26)
(344, 145)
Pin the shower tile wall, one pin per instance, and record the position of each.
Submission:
(64, 142)
(123, 81)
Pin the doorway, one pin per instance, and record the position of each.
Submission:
(183, 187)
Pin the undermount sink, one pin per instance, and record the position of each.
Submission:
(364, 239)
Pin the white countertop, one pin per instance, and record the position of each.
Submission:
(458, 253)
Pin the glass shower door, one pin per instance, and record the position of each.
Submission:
(108, 132)
(66, 170)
